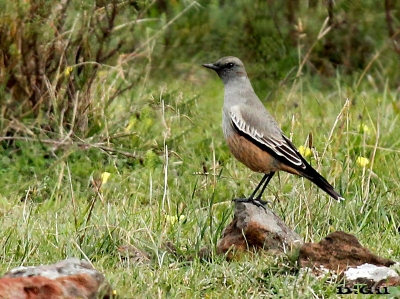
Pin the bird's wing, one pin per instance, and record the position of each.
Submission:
(256, 129)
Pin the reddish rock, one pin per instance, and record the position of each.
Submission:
(254, 228)
(390, 282)
(337, 252)
(70, 278)
(39, 287)
(133, 254)
(342, 254)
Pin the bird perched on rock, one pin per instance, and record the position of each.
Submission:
(253, 135)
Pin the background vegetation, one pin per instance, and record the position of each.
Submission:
(95, 87)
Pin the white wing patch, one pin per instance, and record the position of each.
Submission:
(280, 147)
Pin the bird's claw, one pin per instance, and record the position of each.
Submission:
(257, 202)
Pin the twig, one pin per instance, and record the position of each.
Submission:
(345, 107)
(134, 23)
(74, 206)
(368, 67)
(153, 37)
(58, 143)
(322, 32)
(389, 22)
(366, 192)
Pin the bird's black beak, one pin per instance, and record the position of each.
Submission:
(211, 66)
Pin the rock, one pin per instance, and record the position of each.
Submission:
(71, 278)
(254, 228)
(343, 255)
(337, 252)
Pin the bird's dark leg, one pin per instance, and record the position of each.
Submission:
(269, 177)
(265, 177)
(263, 184)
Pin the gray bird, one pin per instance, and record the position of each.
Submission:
(253, 135)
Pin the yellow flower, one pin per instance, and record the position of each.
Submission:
(173, 219)
(361, 161)
(364, 129)
(132, 123)
(104, 177)
(305, 151)
(67, 70)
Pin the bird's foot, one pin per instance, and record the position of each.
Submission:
(257, 202)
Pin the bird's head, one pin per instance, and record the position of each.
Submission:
(228, 68)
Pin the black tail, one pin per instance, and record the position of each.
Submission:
(311, 174)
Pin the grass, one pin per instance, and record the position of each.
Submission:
(179, 165)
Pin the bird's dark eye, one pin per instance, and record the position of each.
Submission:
(229, 65)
